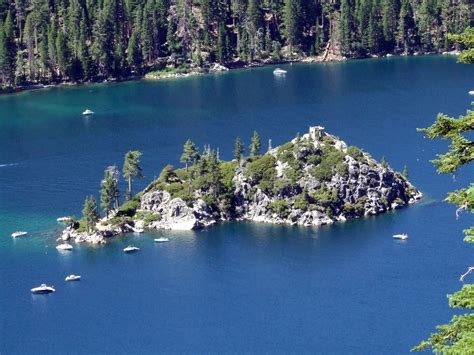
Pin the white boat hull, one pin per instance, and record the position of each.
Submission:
(64, 247)
(73, 278)
(400, 236)
(19, 234)
(131, 250)
(42, 289)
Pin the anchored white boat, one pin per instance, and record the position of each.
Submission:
(88, 112)
(131, 249)
(43, 288)
(471, 92)
(279, 71)
(73, 277)
(161, 240)
(64, 246)
(19, 234)
(138, 230)
(64, 219)
(400, 236)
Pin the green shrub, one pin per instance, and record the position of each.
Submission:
(80, 226)
(280, 207)
(128, 208)
(331, 161)
(325, 197)
(313, 159)
(227, 175)
(153, 217)
(285, 152)
(293, 174)
(117, 220)
(355, 153)
(262, 171)
(302, 201)
(168, 174)
(399, 201)
(356, 209)
(148, 216)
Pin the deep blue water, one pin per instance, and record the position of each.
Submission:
(237, 287)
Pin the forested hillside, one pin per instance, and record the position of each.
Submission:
(43, 41)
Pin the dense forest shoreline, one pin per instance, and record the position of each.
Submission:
(177, 74)
(45, 42)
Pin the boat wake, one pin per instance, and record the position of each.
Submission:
(7, 165)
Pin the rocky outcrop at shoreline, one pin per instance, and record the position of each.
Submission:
(313, 180)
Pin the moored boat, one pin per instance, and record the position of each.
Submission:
(43, 288)
(400, 236)
(64, 246)
(88, 112)
(161, 240)
(131, 249)
(471, 92)
(73, 277)
(279, 71)
(63, 219)
(19, 234)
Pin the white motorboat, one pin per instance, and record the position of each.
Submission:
(161, 240)
(471, 92)
(400, 236)
(138, 230)
(279, 71)
(131, 249)
(73, 277)
(19, 234)
(64, 219)
(64, 246)
(43, 288)
(88, 112)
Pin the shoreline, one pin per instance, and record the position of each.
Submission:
(215, 68)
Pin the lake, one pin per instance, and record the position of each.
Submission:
(236, 287)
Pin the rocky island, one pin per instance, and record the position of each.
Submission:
(315, 179)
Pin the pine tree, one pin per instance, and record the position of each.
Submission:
(173, 45)
(389, 20)
(90, 213)
(190, 153)
(425, 23)
(457, 336)
(405, 172)
(134, 54)
(401, 35)
(292, 13)
(255, 145)
(3, 54)
(10, 50)
(238, 149)
(52, 57)
(345, 27)
(84, 55)
(103, 43)
(107, 193)
(62, 53)
(132, 169)
(222, 44)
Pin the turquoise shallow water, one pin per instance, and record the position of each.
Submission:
(237, 287)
